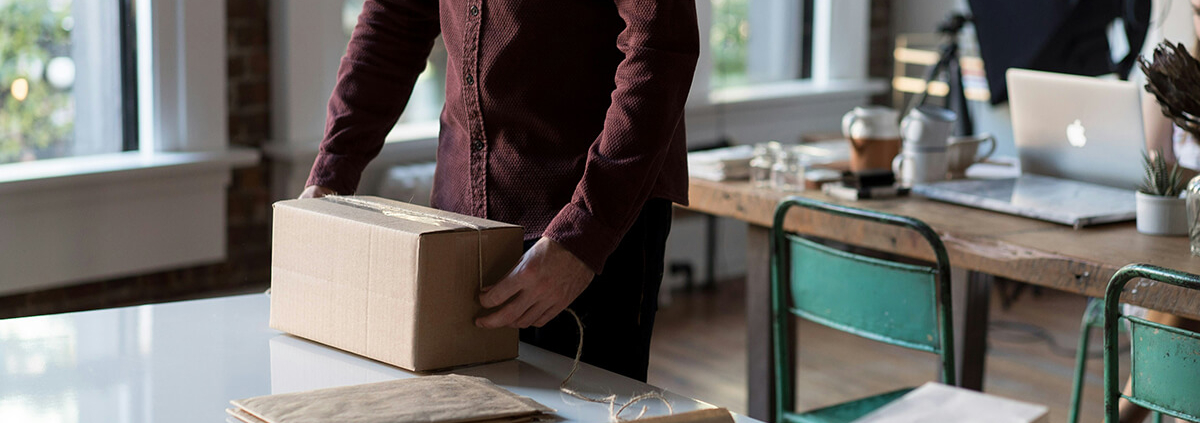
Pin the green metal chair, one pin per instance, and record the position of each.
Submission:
(1164, 361)
(1093, 318)
(881, 300)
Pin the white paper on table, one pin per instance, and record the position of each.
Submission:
(935, 402)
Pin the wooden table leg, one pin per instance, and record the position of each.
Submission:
(975, 330)
(759, 355)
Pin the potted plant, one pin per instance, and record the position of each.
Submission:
(1160, 209)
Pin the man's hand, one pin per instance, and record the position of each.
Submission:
(546, 280)
(316, 191)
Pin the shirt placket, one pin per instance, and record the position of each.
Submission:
(471, 96)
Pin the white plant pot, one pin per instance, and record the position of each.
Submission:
(1161, 215)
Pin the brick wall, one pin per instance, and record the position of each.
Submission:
(249, 125)
(879, 57)
(248, 266)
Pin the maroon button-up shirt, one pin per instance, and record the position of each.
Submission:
(562, 116)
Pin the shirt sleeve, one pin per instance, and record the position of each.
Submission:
(389, 47)
(661, 45)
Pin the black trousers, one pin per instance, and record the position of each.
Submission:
(618, 307)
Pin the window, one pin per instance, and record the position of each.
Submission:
(752, 42)
(62, 74)
(429, 93)
(759, 41)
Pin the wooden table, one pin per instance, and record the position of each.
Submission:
(985, 243)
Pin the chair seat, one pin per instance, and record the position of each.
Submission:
(847, 411)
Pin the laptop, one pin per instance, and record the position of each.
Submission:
(1077, 127)
(1080, 142)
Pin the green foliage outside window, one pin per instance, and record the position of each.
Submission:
(32, 32)
(730, 31)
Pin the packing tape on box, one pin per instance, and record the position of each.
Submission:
(415, 216)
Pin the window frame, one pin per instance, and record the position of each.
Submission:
(129, 86)
(87, 218)
(830, 26)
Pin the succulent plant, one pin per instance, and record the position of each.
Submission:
(1174, 79)
(1161, 179)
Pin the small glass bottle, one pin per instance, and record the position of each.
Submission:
(1193, 213)
(788, 173)
(760, 165)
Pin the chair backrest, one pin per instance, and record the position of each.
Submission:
(897, 303)
(1164, 361)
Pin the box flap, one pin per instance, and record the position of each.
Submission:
(391, 214)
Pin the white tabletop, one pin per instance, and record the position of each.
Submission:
(183, 362)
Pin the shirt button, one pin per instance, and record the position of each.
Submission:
(476, 145)
(470, 80)
(474, 10)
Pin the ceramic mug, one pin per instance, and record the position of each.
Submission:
(927, 126)
(962, 152)
(874, 137)
(914, 167)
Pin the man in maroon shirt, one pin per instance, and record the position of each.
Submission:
(563, 116)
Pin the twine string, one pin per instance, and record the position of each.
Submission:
(614, 412)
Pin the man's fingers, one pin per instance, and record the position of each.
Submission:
(531, 316)
(506, 315)
(547, 316)
(500, 292)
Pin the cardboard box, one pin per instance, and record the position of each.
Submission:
(390, 281)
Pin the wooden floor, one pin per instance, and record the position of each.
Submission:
(700, 342)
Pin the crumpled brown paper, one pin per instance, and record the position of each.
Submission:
(428, 399)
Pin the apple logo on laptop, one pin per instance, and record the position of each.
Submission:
(1075, 134)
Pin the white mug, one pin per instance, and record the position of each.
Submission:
(963, 152)
(871, 122)
(920, 167)
(927, 126)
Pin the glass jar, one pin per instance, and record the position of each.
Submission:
(761, 163)
(1193, 213)
(787, 174)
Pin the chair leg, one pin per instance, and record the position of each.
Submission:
(1158, 417)
(1081, 356)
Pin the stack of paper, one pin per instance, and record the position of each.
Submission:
(935, 402)
(721, 164)
(428, 399)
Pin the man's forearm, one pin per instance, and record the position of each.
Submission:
(661, 46)
(388, 49)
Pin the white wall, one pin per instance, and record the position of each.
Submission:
(921, 16)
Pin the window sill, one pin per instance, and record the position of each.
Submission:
(787, 92)
(782, 111)
(422, 136)
(82, 219)
(43, 175)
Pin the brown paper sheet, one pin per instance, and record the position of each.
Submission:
(429, 399)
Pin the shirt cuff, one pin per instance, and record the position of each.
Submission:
(584, 236)
(336, 172)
